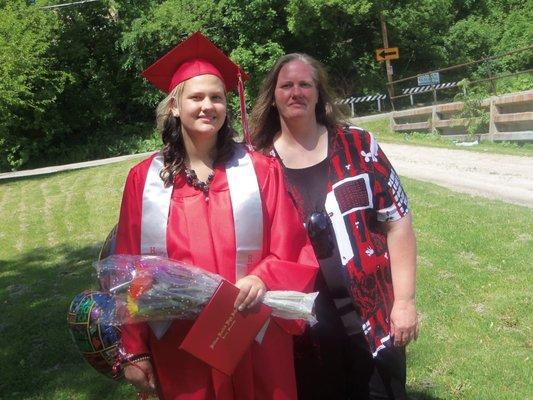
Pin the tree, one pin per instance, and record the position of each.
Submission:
(70, 84)
(341, 34)
(30, 81)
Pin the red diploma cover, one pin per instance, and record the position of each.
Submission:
(221, 334)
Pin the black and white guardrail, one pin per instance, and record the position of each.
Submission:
(428, 88)
(412, 90)
(362, 99)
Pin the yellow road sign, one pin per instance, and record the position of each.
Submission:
(390, 53)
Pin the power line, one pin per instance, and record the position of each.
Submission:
(69, 4)
(467, 64)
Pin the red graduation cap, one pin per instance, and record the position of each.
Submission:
(194, 56)
(198, 56)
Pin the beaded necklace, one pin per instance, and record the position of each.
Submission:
(192, 179)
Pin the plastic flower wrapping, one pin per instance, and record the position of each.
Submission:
(153, 288)
(150, 288)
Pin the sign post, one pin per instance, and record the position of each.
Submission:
(386, 55)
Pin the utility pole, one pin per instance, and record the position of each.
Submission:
(388, 65)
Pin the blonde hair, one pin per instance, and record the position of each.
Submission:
(164, 108)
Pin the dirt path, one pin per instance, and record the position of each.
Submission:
(68, 167)
(502, 177)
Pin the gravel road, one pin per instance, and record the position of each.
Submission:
(503, 177)
(495, 176)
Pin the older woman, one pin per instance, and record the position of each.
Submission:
(357, 217)
(209, 202)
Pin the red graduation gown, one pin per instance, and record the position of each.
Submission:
(201, 233)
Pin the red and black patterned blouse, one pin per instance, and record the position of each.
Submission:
(362, 190)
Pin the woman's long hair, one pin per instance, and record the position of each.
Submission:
(264, 118)
(174, 152)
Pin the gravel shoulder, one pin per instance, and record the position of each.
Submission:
(495, 176)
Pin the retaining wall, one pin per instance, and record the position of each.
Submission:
(511, 118)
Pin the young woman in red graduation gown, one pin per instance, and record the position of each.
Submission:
(201, 231)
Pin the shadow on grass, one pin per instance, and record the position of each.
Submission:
(38, 358)
(417, 395)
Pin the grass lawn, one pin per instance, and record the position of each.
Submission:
(381, 129)
(474, 288)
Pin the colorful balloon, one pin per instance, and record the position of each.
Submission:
(97, 341)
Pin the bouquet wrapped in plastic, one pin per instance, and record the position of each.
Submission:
(152, 288)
